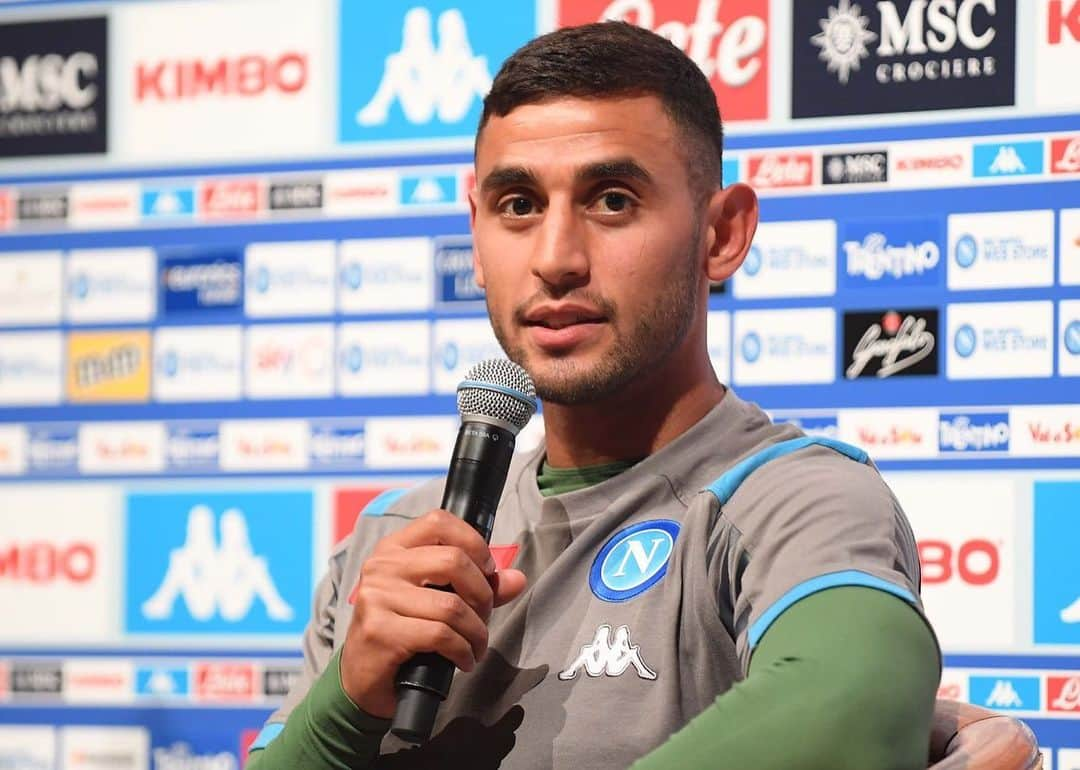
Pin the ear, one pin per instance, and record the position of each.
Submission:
(732, 218)
(478, 270)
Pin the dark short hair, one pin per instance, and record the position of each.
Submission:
(614, 59)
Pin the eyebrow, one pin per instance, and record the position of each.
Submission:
(616, 168)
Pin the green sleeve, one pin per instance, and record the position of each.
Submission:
(844, 679)
(326, 730)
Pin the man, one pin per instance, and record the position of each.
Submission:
(692, 585)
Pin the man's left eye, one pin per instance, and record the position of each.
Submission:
(614, 202)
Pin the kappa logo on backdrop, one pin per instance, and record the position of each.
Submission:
(608, 655)
(1007, 159)
(218, 562)
(422, 73)
(1010, 693)
(633, 560)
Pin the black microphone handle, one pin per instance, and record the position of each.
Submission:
(474, 484)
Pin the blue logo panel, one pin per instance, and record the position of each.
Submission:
(455, 277)
(410, 71)
(633, 560)
(1007, 159)
(1005, 693)
(203, 279)
(892, 253)
(236, 563)
(1057, 568)
(167, 202)
(162, 681)
(973, 432)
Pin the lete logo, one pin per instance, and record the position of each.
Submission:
(633, 560)
(727, 39)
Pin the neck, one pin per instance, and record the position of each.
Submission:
(640, 419)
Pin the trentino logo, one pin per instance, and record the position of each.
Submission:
(1007, 159)
(422, 74)
(633, 560)
(973, 432)
(888, 252)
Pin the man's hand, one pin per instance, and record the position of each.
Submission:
(398, 612)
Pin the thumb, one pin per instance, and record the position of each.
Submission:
(508, 585)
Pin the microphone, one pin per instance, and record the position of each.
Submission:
(495, 400)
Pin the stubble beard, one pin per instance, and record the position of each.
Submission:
(657, 333)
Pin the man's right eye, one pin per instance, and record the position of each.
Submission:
(516, 206)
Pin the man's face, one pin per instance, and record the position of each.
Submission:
(588, 242)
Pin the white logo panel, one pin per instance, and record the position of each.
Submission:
(789, 259)
(997, 340)
(28, 746)
(104, 205)
(1070, 247)
(968, 557)
(61, 569)
(718, 335)
(111, 285)
(121, 447)
(14, 443)
(384, 358)
(410, 442)
(784, 347)
(1045, 431)
(31, 368)
(290, 361)
(205, 79)
(891, 434)
(1001, 249)
(385, 275)
(930, 164)
(359, 193)
(107, 680)
(287, 279)
(31, 287)
(264, 445)
(198, 363)
(105, 748)
(458, 345)
(1057, 55)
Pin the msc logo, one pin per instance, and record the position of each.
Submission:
(633, 560)
(218, 562)
(437, 62)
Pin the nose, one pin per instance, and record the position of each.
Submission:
(559, 256)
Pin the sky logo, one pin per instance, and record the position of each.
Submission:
(1057, 570)
(633, 560)
(237, 563)
(1001, 159)
(422, 71)
(428, 189)
(162, 681)
(967, 433)
(167, 202)
(892, 252)
(1005, 693)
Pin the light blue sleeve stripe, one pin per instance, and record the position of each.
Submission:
(849, 577)
(381, 503)
(724, 487)
(267, 734)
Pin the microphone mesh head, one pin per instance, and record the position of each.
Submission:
(500, 389)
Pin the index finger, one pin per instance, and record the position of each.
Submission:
(439, 527)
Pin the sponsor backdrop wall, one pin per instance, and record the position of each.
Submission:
(236, 296)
